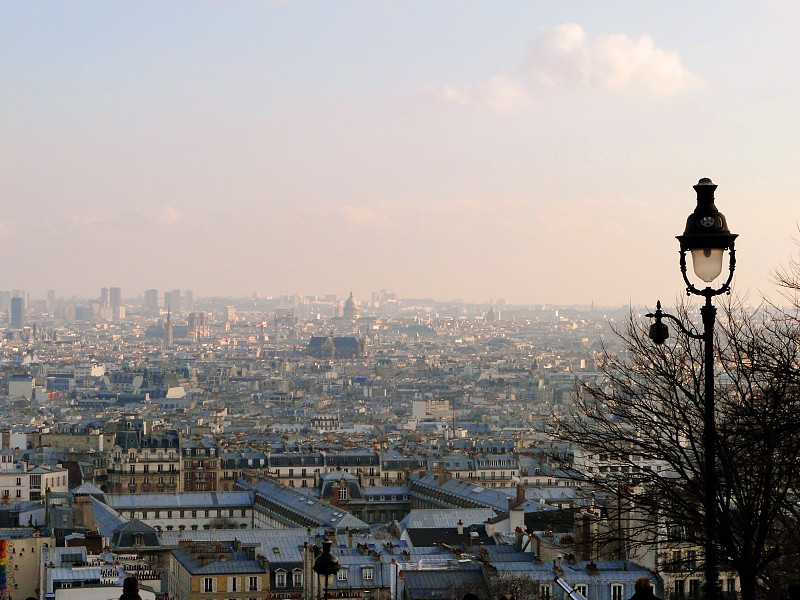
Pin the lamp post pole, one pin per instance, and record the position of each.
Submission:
(707, 237)
(712, 588)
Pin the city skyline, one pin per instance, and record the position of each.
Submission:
(540, 153)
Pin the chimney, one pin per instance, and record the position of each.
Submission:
(518, 538)
(520, 495)
(350, 538)
(335, 494)
(516, 515)
(529, 546)
(442, 475)
(460, 527)
(489, 525)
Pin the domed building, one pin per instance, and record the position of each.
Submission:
(350, 310)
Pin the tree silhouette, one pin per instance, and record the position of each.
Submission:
(648, 416)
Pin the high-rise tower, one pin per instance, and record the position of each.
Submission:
(16, 317)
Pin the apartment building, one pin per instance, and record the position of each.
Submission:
(144, 461)
(217, 571)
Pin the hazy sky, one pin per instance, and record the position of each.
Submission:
(542, 152)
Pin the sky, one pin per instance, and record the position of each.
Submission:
(539, 152)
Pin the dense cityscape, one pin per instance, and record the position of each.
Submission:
(208, 445)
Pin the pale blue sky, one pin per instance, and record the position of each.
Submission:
(543, 152)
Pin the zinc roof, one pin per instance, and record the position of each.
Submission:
(423, 518)
(179, 500)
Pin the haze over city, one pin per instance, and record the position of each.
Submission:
(538, 152)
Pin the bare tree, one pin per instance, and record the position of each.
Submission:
(648, 415)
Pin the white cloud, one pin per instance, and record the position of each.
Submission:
(566, 57)
(614, 63)
(499, 93)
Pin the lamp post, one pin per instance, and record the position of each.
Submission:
(326, 565)
(706, 237)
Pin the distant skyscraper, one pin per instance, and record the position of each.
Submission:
(176, 300)
(105, 297)
(151, 302)
(51, 301)
(16, 318)
(188, 301)
(115, 300)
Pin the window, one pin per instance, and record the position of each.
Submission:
(209, 584)
(297, 579)
(367, 573)
(691, 560)
(676, 559)
(730, 586)
(280, 579)
(254, 584)
(342, 574)
(545, 591)
(679, 589)
(234, 584)
(694, 588)
(583, 590)
(617, 591)
(342, 493)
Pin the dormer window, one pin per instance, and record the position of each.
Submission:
(280, 579)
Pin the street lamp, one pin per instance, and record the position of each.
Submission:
(326, 565)
(706, 237)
